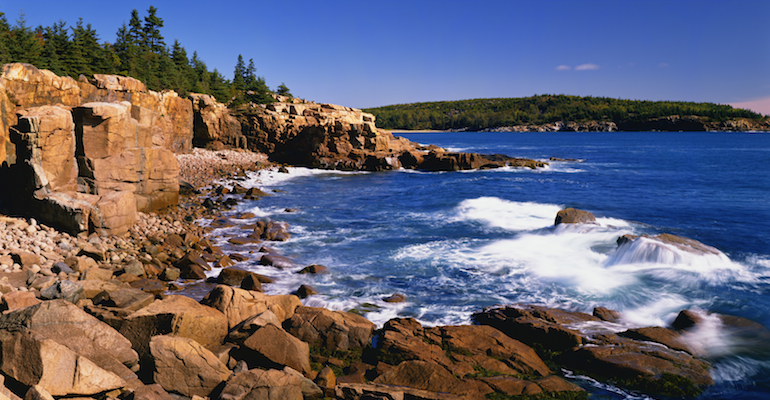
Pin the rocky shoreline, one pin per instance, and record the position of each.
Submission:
(106, 306)
(97, 317)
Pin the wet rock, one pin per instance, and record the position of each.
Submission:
(394, 298)
(276, 260)
(305, 291)
(313, 269)
(605, 314)
(234, 276)
(574, 216)
(427, 376)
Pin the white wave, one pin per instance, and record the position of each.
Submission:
(737, 370)
(668, 261)
(510, 215)
(272, 177)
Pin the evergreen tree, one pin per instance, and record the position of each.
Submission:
(24, 45)
(85, 42)
(283, 90)
(56, 48)
(184, 75)
(239, 75)
(5, 33)
(153, 41)
(219, 87)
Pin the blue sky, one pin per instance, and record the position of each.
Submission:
(367, 54)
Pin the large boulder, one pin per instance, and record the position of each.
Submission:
(272, 347)
(183, 366)
(238, 304)
(334, 330)
(262, 384)
(460, 349)
(73, 328)
(32, 360)
(632, 357)
(431, 377)
(174, 315)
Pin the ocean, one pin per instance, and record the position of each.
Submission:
(455, 242)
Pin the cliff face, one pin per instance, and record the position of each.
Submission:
(335, 137)
(85, 156)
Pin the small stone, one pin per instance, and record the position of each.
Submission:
(305, 291)
(394, 298)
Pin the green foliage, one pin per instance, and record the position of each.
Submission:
(667, 385)
(481, 114)
(541, 396)
(139, 51)
(283, 90)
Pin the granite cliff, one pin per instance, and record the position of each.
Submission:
(85, 155)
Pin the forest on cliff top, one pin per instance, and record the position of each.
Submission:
(139, 51)
(481, 114)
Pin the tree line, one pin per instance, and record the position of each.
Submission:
(479, 114)
(139, 51)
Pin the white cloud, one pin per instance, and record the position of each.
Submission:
(586, 67)
(563, 68)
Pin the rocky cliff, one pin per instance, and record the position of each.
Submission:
(86, 155)
(335, 137)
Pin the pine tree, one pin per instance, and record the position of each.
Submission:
(239, 75)
(5, 37)
(283, 90)
(56, 48)
(25, 46)
(153, 41)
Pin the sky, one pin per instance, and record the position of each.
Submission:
(374, 53)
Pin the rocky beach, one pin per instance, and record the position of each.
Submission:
(118, 211)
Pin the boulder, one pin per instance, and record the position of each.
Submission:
(70, 326)
(234, 276)
(184, 366)
(276, 260)
(678, 242)
(238, 304)
(359, 391)
(631, 357)
(460, 349)
(537, 325)
(428, 376)
(574, 216)
(262, 384)
(32, 360)
(150, 392)
(272, 347)
(65, 290)
(333, 330)
(18, 300)
(175, 315)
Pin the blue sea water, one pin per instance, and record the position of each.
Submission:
(455, 242)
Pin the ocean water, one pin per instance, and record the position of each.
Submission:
(456, 242)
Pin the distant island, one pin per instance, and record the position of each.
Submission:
(550, 113)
